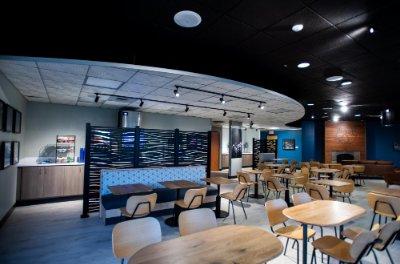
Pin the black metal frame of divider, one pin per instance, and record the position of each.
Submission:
(108, 148)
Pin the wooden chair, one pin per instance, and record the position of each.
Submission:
(244, 178)
(237, 195)
(266, 174)
(299, 183)
(139, 206)
(275, 217)
(336, 166)
(386, 236)
(315, 164)
(273, 184)
(317, 192)
(313, 175)
(292, 167)
(343, 251)
(196, 220)
(383, 205)
(345, 191)
(301, 198)
(193, 199)
(305, 164)
(130, 236)
(358, 172)
(345, 174)
(280, 170)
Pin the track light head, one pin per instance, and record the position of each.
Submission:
(96, 99)
(222, 100)
(224, 114)
(141, 103)
(176, 92)
(187, 109)
(261, 106)
(248, 115)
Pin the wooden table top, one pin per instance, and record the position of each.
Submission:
(276, 165)
(387, 191)
(219, 180)
(129, 189)
(180, 184)
(252, 171)
(324, 213)
(333, 183)
(325, 170)
(224, 244)
(286, 176)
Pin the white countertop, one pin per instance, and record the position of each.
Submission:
(31, 162)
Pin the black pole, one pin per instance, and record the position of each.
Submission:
(136, 147)
(86, 179)
(208, 167)
(176, 147)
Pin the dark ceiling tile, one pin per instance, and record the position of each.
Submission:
(227, 32)
(261, 43)
(283, 29)
(261, 13)
(340, 10)
(220, 5)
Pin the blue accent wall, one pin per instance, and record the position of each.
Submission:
(313, 140)
(290, 154)
(380, 141)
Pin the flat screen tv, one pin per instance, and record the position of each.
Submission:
(15, 152)
(17, 121)
(9, 117)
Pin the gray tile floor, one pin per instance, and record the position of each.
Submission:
(54, 233)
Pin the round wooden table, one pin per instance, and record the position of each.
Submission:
(224, 244)
(256, 173)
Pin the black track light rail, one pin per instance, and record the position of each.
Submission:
(174, 103)
(220, 94)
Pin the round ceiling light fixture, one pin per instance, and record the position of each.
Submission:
(344, 108)
(334, 78)
(345, 83)
(303, 65)
(335, 118)
(187, 19)
(333, 74)
(297, 28)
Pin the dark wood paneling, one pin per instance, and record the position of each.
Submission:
(344, 136)
(215, 150)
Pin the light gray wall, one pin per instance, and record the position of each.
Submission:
(8, 176)
(186, 123)
(45, 121)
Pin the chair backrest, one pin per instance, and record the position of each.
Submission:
(261, 166)
(239, 191)
(337, 166)
(384, 204)
(317, 192)
(266, 174)
(305, 171)
(345, 174)
(301, 198)
(303, 180)
(274, 210)
(243, 177)
(196, 220)
(280, 170)
(130, 236)
(140, 205)
(274, 183)
(359, 168)
(195, 197)
(305, 164)
(387, 233)
(292, 167)
(350, 168)
(361, 243)
(346, 189)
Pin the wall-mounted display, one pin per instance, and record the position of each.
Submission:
(15, 152)
(17, 121)
(65, 148)
(9, 118)
(236, 136)
(289, 144)
(5, 156)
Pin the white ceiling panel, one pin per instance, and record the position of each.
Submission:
(77, 69)
(112, 73)
(149, 79)
(137, 88)
(62, 77)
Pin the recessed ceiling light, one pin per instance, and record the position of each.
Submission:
(312, 117)
(344, 108)
(345, 83)
(248, 115)
(261, 106)
(297, 27)
(303, 65)
(187, 19)
(99, 82)
(357, 115)
(371, 30)
(310, 104)
(334, 78)
(335, 118)
(387, 110)
(222, 100)
(176, 92)
(327, 108)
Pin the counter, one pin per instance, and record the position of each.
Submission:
(49, 180)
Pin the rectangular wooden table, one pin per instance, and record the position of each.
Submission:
(178, 185)
(325, 171)
(287, 178)
(322, 213)
(387, 191)
(331, 184)
(135, 188)
(223, 245)
(218, 180)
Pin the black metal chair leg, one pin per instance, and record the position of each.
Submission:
(294, 241)
(349, 199)
(244, 211)
(390, 257)
(287, 242)
(376, 259)
(266, 195)
(335, 231)
(373, 220)
(233, 211)
(298, 252)
(329, 259)
(248, 193)
(122, 261)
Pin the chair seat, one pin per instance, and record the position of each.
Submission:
(280, 189)
(334, 247)
(294, 232)
(229, 196)
(126, 214)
